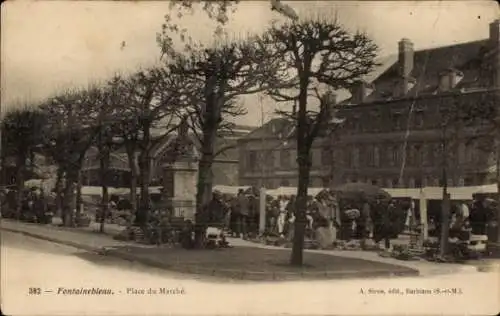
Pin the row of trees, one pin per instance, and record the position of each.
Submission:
(299, 63)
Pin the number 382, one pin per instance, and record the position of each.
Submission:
(35, 291)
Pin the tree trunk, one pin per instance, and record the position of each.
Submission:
(69, 198)
(304, 164)
(300, 209)
(21, 166)
(59, 192)
(211, 119)
(104, 167)
(133, 178)
(145, 177)
(79, 200)
(204, 185)
(497, 174)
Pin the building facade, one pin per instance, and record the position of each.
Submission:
(225, 167)
(401, 130)
(268, 157)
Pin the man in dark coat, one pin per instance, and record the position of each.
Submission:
(478, 217)
(244, 210)
(381, 222)
(216, 211)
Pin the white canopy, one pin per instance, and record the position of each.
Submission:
(88, 190)
(292, 191)
(227, 189)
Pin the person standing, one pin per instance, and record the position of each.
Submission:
(243, 206)
(364, 223)
(379, 218)
(322, 222)
(282, 215)
(235, 217)
(290, 218)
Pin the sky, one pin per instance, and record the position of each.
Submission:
(50, 46)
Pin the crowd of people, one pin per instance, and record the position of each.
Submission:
(35, 205)
(328, 218)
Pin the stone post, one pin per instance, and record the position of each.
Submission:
(423, 215)
(179, 183)
(262, 210)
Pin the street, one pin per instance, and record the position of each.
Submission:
(32, 263)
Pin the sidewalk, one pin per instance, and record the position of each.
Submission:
(425, 268)
(86, 238)
(170, 259)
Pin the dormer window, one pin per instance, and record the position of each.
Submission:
(396, 120)
(449, 79)
(360, 92)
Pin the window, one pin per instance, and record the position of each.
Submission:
(355, 157)
(326, 156)
(369, 156)
(431, 153)
(395, 183)
(325, 182)
(268, 158)
(389, 183)
(411, 183)
(285, 159)
(470, 154)
(376, 156)
(347, 156)
(374, 120)
(418, 182)
(461, 182)
(425, 155)
(317, 182)
(410, 157)
(419, 118)
(356, 124)
(252, 160)
(396, 120)
(396, 155)
(419, 155)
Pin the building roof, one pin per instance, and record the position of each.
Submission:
(274, 128)
(466, 58)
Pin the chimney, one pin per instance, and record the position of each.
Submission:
(331, 98)
(360, 92)
(495, 51)
(183, 128)
(406, 56)
(449, 78)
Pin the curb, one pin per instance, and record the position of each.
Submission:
(242, 275)
(53, 240)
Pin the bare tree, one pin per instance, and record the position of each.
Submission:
(69, 133)
(21, 135)
(154, 96)
(482, 117)
(319, 56)
(219, 76)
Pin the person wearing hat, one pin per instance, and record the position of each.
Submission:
(243, 206)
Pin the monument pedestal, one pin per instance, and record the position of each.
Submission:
(179, 184)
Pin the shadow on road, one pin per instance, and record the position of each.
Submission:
(248, 264)
(134, 266)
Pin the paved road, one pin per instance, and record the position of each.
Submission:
(28, 262)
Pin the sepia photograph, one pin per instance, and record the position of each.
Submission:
(250, 157)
